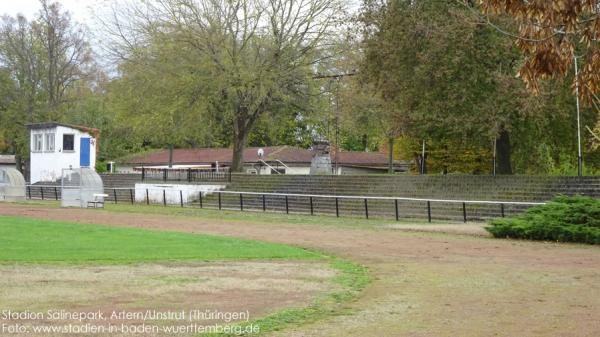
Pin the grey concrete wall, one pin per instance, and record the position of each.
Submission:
(457, 187)
(515, 188)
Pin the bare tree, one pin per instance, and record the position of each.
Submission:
(66, 52)
(44, 58)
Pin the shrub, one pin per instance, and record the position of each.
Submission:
(564, 219)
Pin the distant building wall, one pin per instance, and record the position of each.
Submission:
(7, 161)
(360, 170)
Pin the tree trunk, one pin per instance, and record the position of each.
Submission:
(19, 163)
(240, 137)
(504, 153)
(390, 155)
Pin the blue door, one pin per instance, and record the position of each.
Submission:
(84, 152)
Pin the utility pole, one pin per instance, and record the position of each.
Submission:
(494, 157)
(423, 159)
(337, 123)
(579, 157)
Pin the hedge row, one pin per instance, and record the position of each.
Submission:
(564, 219)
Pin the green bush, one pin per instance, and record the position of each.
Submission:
(100, 166)
(564, 219)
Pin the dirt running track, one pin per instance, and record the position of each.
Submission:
(424, 284)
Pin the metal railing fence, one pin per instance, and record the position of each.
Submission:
(309, 204)
(186, 174)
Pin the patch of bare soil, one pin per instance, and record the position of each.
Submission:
(473, 229)
(425, 284)
(134, 295)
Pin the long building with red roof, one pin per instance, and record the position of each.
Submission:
(284, 159)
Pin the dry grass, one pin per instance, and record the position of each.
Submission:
(259, 287)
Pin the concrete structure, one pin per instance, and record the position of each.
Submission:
(79, 185)
(449, 187)
(12, 185)
(321, 160)
(172, 194)
(283, 159)
(7, 161)
(56, 146)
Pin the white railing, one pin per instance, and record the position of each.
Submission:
(282, 164)
(269, 166)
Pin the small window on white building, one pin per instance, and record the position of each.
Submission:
(38, 142)
(49, 142)
(68, 142)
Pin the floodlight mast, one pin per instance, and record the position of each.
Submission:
(494, 156)
(579, 157)
(423, 158)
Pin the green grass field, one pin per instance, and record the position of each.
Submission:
(26, 240)
(49, 244)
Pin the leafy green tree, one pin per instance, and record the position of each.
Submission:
(448, 76)
(249, 58)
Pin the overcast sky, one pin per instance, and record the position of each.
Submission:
(81, 10)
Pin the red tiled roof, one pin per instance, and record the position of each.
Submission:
(287, 154)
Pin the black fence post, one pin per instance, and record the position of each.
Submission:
(366, 208)
(502, 210)
(464, 212)
(55, 193)
(241, 202)
(147, 198)
(115, 194)
(428, 210)
(42, 190)
(29, 191)
(311, 206)
(337, 208)
(264, 200)
(397, 214)
(219, 200)
(164, 198)
(287, 205)
(131, 195)
(200, 198)
(181, 197)
(165, 173)
(189, 172)
(143, 173)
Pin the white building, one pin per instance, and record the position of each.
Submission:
(56, 146)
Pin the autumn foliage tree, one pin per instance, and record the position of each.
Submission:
(551, 34)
